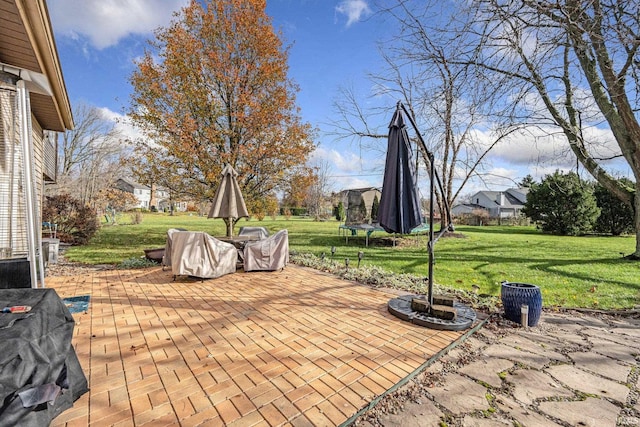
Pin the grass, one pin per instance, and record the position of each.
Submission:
(587, 272)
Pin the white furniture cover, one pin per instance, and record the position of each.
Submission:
(260, 232)
(195, 253)
(267, 254)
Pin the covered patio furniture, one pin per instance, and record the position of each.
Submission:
(166, 257)
(260, 232)
(197, 254)
(40, 376)
(267, 254)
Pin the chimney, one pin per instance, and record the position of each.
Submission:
(500, 198)
(153, 201)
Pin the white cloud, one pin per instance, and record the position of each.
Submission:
(548, 148)
(346, 183)
(355, 10)
(536, 145)
(342, 163)
(106, 22)
(533, 145)
(122, 124)
(350, 170)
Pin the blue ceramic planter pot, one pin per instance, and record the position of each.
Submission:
(514, 295)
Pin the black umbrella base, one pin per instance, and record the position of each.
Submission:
(401, 308)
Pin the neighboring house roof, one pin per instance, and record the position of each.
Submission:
(513, 198)
(519, 193)
(508, 201)
(27, 47)
(132, 184)
(136, 185)
(468, 206)
(358, 190)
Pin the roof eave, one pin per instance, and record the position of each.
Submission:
(35, 17)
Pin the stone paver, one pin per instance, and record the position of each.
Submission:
(474, 421)
(620, 352)
(631, 328)
(588, 413)
(415, 415)
(561, 338)
(570, 370)
(572, 340)
(487, 370)
(524, 416)
(589, 383)
(591, 361)
(460, 395)
(525, 344)
(526, 358)
(530, 385)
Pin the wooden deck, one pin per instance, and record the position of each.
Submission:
(291, 348)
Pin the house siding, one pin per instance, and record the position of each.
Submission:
(12, 222)
(488, 202)
(37, 139)
(50, 155)
(143, 194)
(13, 210)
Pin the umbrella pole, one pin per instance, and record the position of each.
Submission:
(431, 215)
(433, 178)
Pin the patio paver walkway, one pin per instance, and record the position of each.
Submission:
(296, 347)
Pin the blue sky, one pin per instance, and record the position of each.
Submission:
(334, 44)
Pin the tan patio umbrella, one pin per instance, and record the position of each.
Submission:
(228, 202)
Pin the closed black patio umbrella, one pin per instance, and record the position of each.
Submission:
(400, 204)
(399, 209)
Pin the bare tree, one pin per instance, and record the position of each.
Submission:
(572, 64)
(320, 189)
(88, 155)
(448, 101)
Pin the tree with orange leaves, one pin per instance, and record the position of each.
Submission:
(213, 89)
(300, 184)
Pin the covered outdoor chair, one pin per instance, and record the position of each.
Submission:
(267, 254)
(166, 257)
(197, 254)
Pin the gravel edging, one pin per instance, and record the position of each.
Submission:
(68, 268)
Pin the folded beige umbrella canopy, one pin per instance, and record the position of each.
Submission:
(228, 202)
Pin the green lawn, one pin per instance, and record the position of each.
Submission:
(571, 271)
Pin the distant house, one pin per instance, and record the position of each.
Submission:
(143, 193)
(499, 204)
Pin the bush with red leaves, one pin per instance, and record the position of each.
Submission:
(77, 223)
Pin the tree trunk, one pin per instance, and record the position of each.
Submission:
(636, 221)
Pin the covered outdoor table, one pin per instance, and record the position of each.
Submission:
(239, 242)
(40, 375)
(259, 232)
